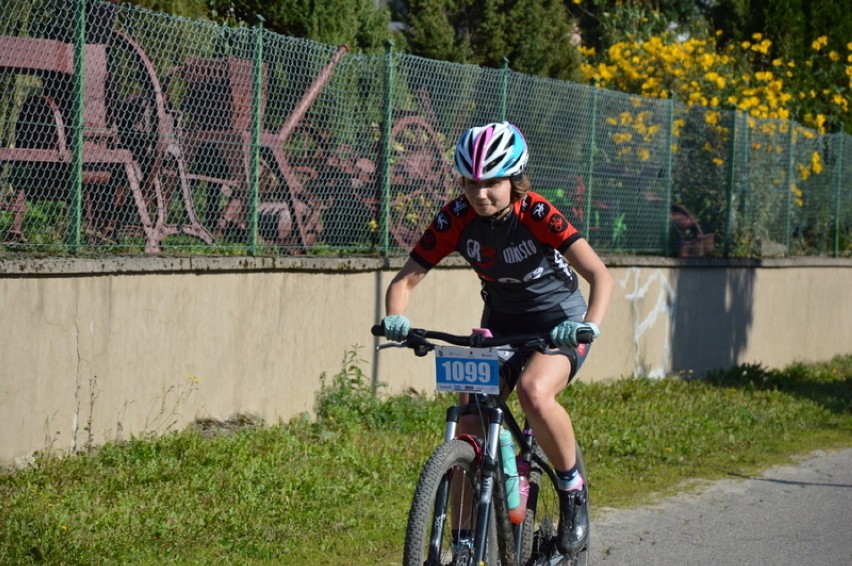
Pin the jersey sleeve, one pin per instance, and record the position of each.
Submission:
(547, 224)
(442, 236)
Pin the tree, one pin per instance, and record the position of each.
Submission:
(606, 22)
(552, 50)
(535, 36)
(359, 24)
(812, 37)
(430, 33)
(187, 8)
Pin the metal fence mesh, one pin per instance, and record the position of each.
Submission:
(172, 135)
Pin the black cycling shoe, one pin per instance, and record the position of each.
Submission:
(573, 533)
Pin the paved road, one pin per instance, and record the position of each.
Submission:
(798, 514)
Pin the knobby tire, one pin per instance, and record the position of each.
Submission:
(430, 514)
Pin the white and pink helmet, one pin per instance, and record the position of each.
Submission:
(492, 151)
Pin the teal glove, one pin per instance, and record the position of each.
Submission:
(396, 327)
(565, 333)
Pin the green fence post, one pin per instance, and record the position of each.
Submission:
(504, 90)
(590, 168)
(791, 181)
(745, 191)
(667, 209)
(256, 124)
(387, 125)
(838, 179)
(77, 127)
(729, 193)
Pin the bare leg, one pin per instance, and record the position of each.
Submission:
(542, 379)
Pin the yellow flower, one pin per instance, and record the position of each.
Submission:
(816, 163)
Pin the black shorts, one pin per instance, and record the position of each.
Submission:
(534, 323)
(512, 368)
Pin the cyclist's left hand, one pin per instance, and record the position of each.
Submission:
(565, 333)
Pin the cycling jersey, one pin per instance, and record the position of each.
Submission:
(517, 258)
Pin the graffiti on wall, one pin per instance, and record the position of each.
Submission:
(652, 303)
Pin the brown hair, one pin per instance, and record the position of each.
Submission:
(521, 185)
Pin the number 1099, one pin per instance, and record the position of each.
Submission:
(469, 371)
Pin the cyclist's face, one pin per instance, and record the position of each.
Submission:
(488, 197)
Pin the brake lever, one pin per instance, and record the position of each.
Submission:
(416, 340)
(421, 350)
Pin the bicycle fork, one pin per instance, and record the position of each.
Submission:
(488, 466)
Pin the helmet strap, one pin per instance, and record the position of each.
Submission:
(499, 214)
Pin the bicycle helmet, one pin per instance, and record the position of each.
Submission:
(490, 152)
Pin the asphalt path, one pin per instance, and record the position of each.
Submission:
(797, 514)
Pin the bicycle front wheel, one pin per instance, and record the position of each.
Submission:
(538, 538)
(446, 498)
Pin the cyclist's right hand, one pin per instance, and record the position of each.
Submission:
(396, 327)
(570, 333)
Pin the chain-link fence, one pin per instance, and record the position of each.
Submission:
(126, 130)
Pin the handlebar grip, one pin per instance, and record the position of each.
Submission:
(378, 330)
(585, 336)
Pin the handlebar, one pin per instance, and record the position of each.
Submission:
(418, 339)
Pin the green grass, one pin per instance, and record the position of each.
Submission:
(335, 489)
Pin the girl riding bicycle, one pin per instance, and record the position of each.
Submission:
(525, 253)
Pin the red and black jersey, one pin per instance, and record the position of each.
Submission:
(518, 258)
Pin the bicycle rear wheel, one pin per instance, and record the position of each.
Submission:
(428, 537)
(538, 542)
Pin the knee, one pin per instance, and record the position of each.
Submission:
(533, 398)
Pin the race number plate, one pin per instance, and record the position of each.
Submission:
(467, 370)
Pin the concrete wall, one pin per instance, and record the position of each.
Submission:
(95, 350)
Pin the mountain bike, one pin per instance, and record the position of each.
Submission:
(463, 484)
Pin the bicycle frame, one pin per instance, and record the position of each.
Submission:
(486, 458)
(496, 416)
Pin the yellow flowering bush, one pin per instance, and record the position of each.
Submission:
(744, 117)
(744, 76)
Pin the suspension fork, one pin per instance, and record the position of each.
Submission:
(488, 466)
(490, 461)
